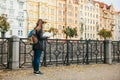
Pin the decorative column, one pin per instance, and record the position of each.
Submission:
(13, 62)
(107, 53)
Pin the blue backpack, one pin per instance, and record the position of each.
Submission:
(30, 40)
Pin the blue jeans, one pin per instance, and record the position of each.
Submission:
(36, 60)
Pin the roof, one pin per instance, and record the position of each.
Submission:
(102, 4)
(117, 12)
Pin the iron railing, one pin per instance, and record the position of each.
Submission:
(115, 51)
(25, 52)
(4, 52)
(60, 51)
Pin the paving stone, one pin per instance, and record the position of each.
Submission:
(72, 72)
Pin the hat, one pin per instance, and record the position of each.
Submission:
(43, 21)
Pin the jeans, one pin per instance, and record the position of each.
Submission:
(36, 60)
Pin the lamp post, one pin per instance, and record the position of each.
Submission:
(65, 26)
(82, 22)
(27, 21)
(97, 30)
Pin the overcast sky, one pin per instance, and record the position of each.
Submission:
(116, 3)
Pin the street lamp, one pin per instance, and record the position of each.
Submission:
(82, 22)
(97, 29)
(27, 20)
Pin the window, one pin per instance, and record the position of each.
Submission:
(20, 24)
(69, 1)
(69, 13)
(4, 1)
(11, 12)
(70, 20)
(43, 9)
(81, 13)
(52, 11)
(11, 4)
(10, 32)
(21, 5)
(60, 27)
(81, 0)
(76, 8)
(75, 21)
(21, 14)
(21, 32)
(96, 16)
(18, 32)
(81, 6)
(60, 12)
(52, 18)
(76, 1)
(76, 15)
(60, 5)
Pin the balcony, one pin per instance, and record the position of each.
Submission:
(105, 17)
(112, 24)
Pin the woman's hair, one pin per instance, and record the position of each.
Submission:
(38, 22)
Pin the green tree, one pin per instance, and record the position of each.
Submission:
(105, 33)
(70, 32)
(4, 25)
(73, 32)
(66, 31)
(53, 30)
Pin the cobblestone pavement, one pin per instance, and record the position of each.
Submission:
(72, 72)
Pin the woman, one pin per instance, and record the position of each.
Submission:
(37, 53)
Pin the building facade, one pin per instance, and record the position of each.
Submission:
(59, 14)
(107, 20)
(88, 16)
(89, 19)
(14, 11)
(117, 26)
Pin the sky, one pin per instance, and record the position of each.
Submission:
(116, 3)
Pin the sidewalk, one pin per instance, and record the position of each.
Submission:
(72, 72)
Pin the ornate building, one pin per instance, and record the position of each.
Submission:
(88, 16)
(117, 26)
(106, 17)
(14, 11)
(89, 19)
(58, 14)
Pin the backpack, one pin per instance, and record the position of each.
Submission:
(32, 37)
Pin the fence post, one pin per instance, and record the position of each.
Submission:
(13, 62)
(67, 56)
(107, 52)
(87, 52)
(44, 57)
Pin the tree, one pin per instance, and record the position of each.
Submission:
(4, 25)
(73, 32)
(105, 33)
(66, 31)
(70, 32)
(53, 30)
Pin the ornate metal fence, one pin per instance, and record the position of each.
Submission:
(74, 51)
(4, 50)
(60, 51)
(116, 51)
(25, 52)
